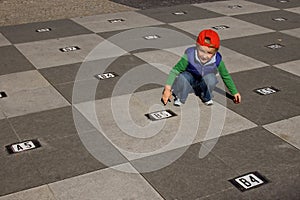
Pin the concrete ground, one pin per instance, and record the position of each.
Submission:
(79, 84)
(14, 12)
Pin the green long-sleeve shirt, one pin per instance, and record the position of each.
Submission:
(182, 65)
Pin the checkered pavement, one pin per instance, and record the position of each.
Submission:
(97, 143)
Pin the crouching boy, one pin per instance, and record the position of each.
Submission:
(196, 72)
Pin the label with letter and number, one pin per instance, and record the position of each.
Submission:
(235, 6)
(23, 146)
(274, 46)
(220, 27)
(151, 37)
(249, 181)
(266, 90)
(68, 49)
(42, 30)
(106, 75)
(158, 115)
(179, 13)
(115, 20)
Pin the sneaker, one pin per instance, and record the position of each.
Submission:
(209, 103)
(177, 102)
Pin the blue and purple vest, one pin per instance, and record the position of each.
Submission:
(196, 68)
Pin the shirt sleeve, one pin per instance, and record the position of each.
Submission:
(177, 69)
(227, 78)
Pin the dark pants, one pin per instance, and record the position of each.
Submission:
(186, 83)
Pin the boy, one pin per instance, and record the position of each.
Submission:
(196, 71)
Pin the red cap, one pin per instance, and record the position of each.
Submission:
(212, 35)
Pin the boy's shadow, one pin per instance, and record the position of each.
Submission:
(224, 93)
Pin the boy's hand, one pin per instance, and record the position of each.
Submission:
(167, 95)
(237, 98)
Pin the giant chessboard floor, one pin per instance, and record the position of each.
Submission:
(80, 89)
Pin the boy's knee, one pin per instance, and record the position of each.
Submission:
(211, 80)
(185, 77)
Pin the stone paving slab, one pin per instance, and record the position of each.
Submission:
(273, 19)
(178, 13)
(102, 23)
(17, 64)
(257, 47)
(236, 28)
(235, 7)
(117, 185)
(42, 31)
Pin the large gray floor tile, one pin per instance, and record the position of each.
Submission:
(100, 23)
(50, 124)
(257, 47)
(237, 28)
(4, 41)
(234, 7)
(278, 4)
(84, 92)
(163, 60)
(30, 101)
(292, 67)
(189, 177)
(61, 74)
(228, 121)
(122, 119)
(89, 88)
(287, 130)
(189, 12)
(87, 70)
(28, 32)
(109, 34)
(18, 173)
(51, 56)
(63, 158)
(28, 80)
(248, 151)
(101, 148)
(268, 19)
(91, 47)
(282, 185)
(41, 193)
(105, 184)
(134, 39)
(13, 61)
(265, 109)
(133, 135)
